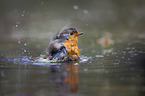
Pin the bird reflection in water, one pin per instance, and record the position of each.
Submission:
(65, 76)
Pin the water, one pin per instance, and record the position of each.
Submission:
(112, 48)
(119, 72)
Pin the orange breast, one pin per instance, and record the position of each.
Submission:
(71, 45)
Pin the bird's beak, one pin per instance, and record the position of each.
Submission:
(80, 33)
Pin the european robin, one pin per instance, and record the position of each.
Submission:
(63, 46)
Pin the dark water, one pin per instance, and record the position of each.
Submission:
(112, 48)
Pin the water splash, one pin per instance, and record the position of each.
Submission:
(40, 60)
(16, 25)
(85, 59)
(19, 42)
(25, 50)
(25, 44)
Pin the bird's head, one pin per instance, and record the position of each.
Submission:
(69, 33)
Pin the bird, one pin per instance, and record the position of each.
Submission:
(63, 46)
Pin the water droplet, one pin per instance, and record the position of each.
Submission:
(75, 7)
(25, 44)
(25, 50)
(85, 11)
(19, 42)
(76, 63)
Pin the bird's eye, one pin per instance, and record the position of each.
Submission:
(71, 33)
